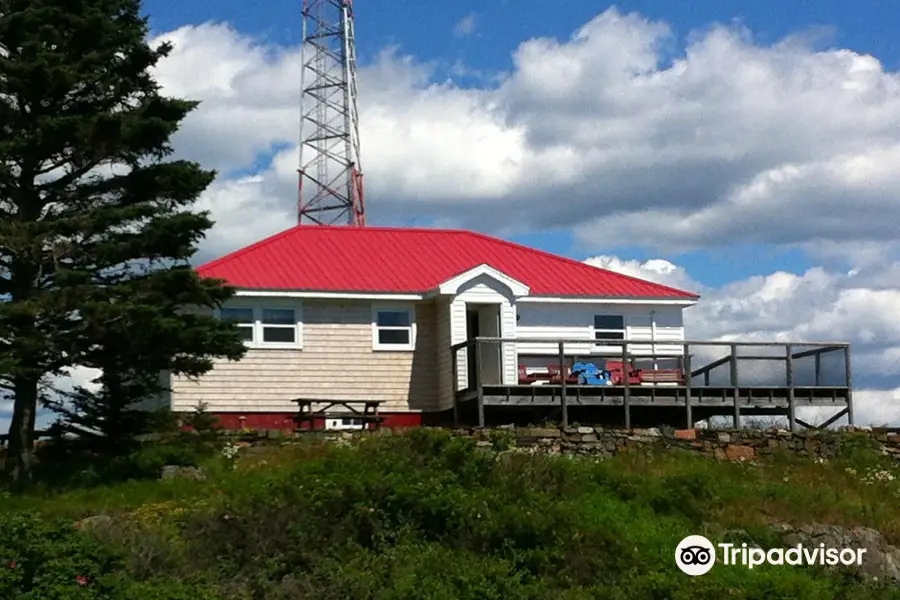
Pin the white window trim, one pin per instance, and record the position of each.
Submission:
(258, 325)
(411, 310)
(608, 343)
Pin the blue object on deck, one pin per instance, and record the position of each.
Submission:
(591, 374)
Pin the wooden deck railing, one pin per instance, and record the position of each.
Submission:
(784, 352)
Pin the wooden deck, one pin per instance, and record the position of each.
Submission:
(704, 390)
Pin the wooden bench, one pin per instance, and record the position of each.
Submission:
(351, 410)
(662, 376)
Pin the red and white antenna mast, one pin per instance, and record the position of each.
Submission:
(330, 189)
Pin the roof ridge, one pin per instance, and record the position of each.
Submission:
(579, 263)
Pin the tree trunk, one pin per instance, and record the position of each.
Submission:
(20, 452)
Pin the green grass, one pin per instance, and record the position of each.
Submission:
(426, 515)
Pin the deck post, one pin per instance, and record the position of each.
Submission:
(686, 366)
(479, 389)
(818, 368)
(563, 399)
(734, 385)
(789, 373)
(626, 391)
(454, 369)
(849, 379)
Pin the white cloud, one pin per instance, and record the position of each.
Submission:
(859, 307)
(75, 376)
(466, 26)
(732, 139)
(657, 270)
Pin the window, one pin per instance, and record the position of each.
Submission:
(279, 325)
(609, 327)
(243, 318)
(265, 327)
(393, 329)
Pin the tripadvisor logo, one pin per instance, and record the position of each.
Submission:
(696, 555)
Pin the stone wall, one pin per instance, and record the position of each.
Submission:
(741, 444)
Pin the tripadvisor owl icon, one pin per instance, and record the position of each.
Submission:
(695, 555)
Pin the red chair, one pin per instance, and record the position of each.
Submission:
(556, 374)
(526, 378)
(616, 373)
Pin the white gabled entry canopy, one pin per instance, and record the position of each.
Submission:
(452, 286)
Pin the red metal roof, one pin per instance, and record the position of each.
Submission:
(411, 261)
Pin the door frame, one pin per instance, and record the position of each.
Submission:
(475, 316)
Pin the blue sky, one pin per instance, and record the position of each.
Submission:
(426, 28)
(427, 31)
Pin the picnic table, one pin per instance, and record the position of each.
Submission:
(362, 410)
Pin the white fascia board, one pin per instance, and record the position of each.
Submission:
(329, 295)
(596, 300)
(452, 285)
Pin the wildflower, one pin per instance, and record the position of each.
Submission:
(230, 451)
(82, 580)
(13, 565)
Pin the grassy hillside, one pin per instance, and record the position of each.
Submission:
(429, 516)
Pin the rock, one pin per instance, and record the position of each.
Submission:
(93, 522)
(733, 452)
(667, 431)
(881, 560)
(724, 438)
(686, 434)
(585, 430)
(544, 433)
(175, 472)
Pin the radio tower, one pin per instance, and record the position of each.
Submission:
(330, 187)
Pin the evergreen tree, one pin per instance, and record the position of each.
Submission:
(137, 330)
(96, 219)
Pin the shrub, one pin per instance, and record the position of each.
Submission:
(50, 560)
(67, 464)
(428, 515)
